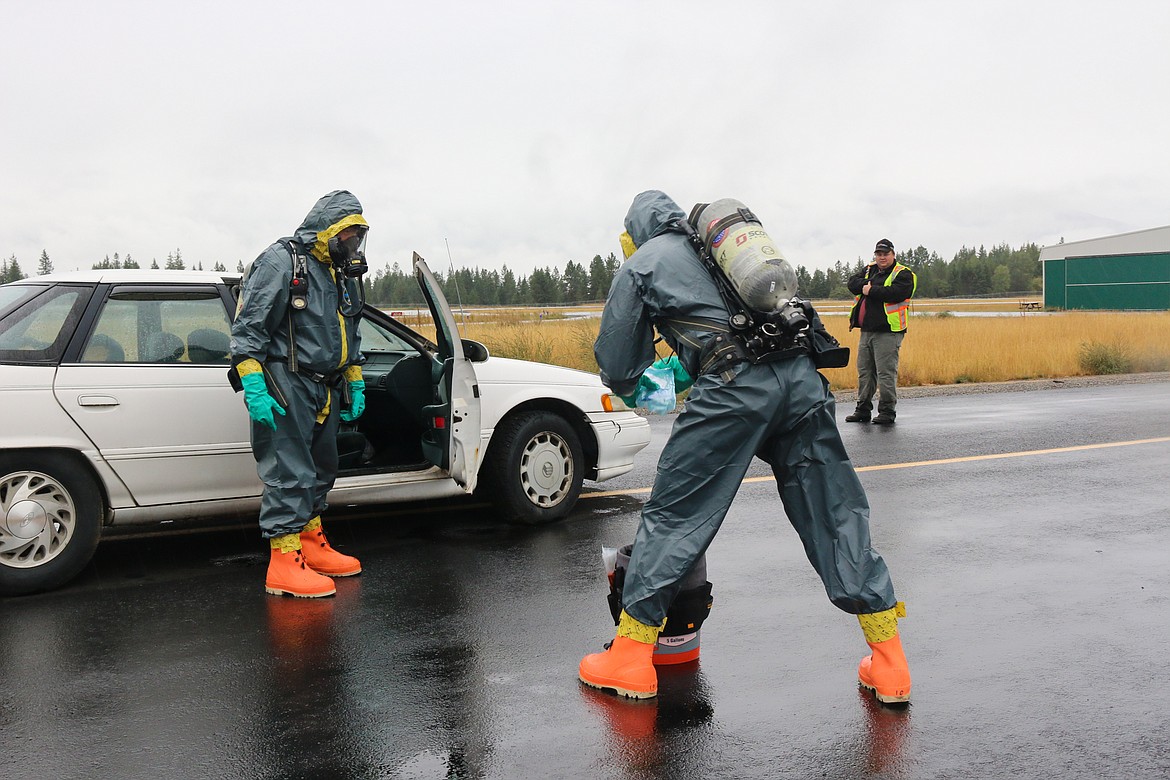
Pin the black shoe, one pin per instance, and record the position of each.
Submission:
(883, 419)
(858, 417)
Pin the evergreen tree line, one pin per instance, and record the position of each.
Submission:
(10, 269)
(481, 287)
(972, 272)
(1001, 270)
(174, 262)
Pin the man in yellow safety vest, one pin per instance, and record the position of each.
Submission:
(883, 289)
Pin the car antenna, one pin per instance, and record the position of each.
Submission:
(455, 279)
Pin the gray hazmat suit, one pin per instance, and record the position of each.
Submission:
(298, 461)
(781, 411)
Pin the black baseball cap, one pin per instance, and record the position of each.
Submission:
(885, 245)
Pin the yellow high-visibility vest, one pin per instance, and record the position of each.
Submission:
(897, 314)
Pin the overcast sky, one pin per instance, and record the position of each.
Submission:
(518, 132)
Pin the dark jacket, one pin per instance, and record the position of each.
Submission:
(900, 289)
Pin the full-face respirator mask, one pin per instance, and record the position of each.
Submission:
(349, 256)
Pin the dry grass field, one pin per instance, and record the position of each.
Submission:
(953, 350)
(940, 348)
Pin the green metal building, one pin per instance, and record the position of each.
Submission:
(1126, 271)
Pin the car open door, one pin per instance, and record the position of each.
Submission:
(452, 436)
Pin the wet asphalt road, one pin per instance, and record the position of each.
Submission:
(1038, 589)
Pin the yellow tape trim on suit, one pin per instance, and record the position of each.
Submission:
(287, 543)
(323, 415)
(881, 626)
(639, 632)
(341, 325)
(628, 245)
(312, 525)
(320, 249)
(249, 366)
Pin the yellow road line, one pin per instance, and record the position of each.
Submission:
(940, 462)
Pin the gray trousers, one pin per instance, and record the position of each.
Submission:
(784, 413)
(298, 461)
(877, 369)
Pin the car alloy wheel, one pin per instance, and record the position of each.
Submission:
(534, 467)
(50, 520)
(546, 469)
(37, 519)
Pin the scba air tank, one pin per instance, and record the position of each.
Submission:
(740, 246)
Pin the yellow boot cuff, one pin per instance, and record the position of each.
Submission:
(287, 543)
(312, 525)
(639, 632)
(880, 626)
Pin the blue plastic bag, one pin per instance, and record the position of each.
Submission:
(655, 391)
(682, 380)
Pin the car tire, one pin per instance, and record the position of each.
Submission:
(534, 468)
(50, 521)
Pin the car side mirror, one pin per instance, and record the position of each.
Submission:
(474, 351)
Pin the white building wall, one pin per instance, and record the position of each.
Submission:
(1135, 243)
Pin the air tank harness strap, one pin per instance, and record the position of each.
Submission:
(720, 353)
(300, 283)
(717, 354)
(741, 215)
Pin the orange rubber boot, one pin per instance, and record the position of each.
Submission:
(885, 671)
(627, 667)
(322, 558)
(288, 574)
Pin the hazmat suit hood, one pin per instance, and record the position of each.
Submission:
(326, 340)
(652, 213)
(328, 217)
(662, 281)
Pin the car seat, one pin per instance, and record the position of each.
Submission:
(207, 345)
(162, 347)
(353, 449)
(103, 349)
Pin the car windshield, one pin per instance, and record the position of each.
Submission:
(10, 294)
(38, 330)
(377, 339)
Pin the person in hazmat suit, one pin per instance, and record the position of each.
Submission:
(781, 411)
(295, 349)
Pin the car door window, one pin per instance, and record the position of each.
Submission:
(138, 326)
(38, 330)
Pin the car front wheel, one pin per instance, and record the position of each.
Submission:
(534, 468)
(50, 521)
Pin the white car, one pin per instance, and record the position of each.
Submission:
(116, 410)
